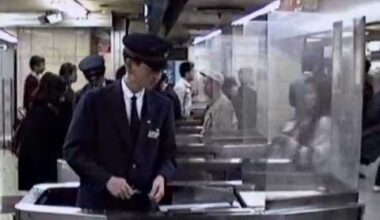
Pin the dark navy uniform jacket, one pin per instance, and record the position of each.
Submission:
(98, 144)
(86, 88)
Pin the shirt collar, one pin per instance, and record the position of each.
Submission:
(128, 93)
(187, 84)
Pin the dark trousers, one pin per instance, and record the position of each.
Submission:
(377, 180)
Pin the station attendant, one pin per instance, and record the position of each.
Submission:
(93, 68)
(121, 141)
(220, 115)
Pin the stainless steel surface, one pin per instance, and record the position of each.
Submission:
(189, 130)
(251, 151)
(3, 112)
(190, 122)
(27, 208)
(65, 173)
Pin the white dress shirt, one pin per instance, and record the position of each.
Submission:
(183, 90)
(128, 94)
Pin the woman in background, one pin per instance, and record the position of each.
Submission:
(307, 139)
(43, 136)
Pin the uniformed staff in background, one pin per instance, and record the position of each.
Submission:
(121, 141)
(220, 115)
(37, 65)
(93, 68)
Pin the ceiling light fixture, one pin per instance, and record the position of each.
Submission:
(71, 7)
(265, 10)
(4, 35)
(201, 39)
(146, 13)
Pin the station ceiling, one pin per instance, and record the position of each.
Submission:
(197, 17)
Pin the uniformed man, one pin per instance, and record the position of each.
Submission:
(121, 141)
(220, 115)
(93, 68)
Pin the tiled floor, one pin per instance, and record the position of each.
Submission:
(8, 186)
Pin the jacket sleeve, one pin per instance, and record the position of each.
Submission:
(30, 87)
(177, 108)
(166, 153)
(180, 91)
(80, 142)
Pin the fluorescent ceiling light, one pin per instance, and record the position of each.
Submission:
(198, 40)
(71, 8)
(7, 37)
(3, 47)
(312, 40)
(373, 46)
(54, 18)
(265, 10)
(146, 10)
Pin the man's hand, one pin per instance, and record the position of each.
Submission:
(119, 188)
(158, 189)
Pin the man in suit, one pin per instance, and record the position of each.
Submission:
(37, 65)
(121, 141)
(93, 68)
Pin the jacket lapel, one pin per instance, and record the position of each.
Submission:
(119, 114)
(146, 119)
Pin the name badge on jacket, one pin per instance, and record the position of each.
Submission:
(154, 134)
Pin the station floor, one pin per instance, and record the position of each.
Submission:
(9, 192)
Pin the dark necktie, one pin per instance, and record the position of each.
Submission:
(135, 122)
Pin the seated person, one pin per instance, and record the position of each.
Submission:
(220, 115)
(306, 140)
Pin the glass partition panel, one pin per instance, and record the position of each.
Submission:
(314, 99)
(234, 81)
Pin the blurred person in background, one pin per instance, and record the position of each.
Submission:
(164, 87)
(183, 87)
(37, 65)
(312, 64)
(220, 115)
(68, 72)
(230, 88)
(43, 134)
(306, 140)
(245, 102)
(370, 151)
(93, 68)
